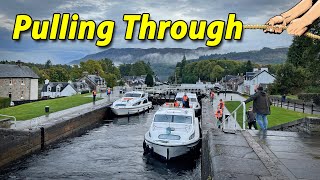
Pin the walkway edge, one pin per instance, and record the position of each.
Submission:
(272, 167)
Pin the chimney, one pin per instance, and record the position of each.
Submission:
(46, 81)
(19, 63)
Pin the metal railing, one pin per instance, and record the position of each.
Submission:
(295, 106)
(14, 118)
(234, 115)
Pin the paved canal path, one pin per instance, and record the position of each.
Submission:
(111, 151)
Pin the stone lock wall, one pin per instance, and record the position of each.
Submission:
(310, 125)
(17, 144)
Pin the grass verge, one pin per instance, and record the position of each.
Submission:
(36, 109)
(278, 115)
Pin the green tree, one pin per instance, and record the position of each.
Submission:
(290, 80)
(149, 80)
(92, 67)
(48, 64)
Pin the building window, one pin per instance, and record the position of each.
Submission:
(22, 81)
(10, 82)
(49, 89)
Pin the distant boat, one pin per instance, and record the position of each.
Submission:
(131, 103)
(173, 132)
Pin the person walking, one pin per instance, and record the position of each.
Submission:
(211, 95)
(221, 105)
(251, 118)
(261, 106)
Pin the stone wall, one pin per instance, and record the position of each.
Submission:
(17, 144)
(207, 125)
(308, 125)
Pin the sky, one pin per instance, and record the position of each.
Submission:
(28, 50)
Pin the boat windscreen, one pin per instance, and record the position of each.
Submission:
(182, 119)
(132, 95)
(163, 118)
(179, 99)
(193, 99)
(173, 118)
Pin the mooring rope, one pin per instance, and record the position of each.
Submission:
(307, 34)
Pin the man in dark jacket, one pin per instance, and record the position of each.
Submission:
(261, 106)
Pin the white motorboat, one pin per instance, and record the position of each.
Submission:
(131, 103)
(193, 101)
(173, 132)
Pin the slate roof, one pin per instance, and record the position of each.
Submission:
(54, 85)
(15, 71)
(95, 78)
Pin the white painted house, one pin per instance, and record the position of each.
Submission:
(253, 79)
(57, 89)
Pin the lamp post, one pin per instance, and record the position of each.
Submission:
(225, 84)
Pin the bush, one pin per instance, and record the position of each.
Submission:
(312, 89)
(85, 92)
(4, 102)
(310, 97)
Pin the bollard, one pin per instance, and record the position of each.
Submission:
(231, 98)
(294, 106)
(47, 109)
(303, 107)
(312, 108)
(288, 105)
(128, 116)
(42, 138)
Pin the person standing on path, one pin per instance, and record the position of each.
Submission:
(211, 95)
(261, 106)
(251, 118)
(221, 105)
(109, 93)
(219, 115)
(94, 94)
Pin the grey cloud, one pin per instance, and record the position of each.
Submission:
(249, 11)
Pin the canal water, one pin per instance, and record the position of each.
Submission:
(111, 151)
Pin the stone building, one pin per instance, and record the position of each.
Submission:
(18, 82)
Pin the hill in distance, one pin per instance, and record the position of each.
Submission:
(163, 60)
(263, 56)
